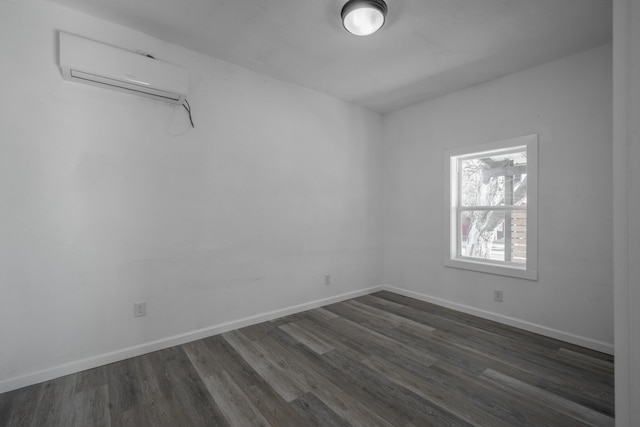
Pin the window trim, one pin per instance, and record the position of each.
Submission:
(451, 188)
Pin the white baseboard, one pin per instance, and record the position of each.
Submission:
(511, 321)
(126, 353)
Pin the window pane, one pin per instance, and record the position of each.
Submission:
(482, 234)
(494, 180)
(494, 235)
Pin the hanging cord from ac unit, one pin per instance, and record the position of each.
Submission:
(188, 108)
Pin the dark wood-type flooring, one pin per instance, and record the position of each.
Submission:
(376, 360)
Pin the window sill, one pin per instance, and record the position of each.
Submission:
(520, 273)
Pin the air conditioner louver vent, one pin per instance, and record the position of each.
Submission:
(98, 64)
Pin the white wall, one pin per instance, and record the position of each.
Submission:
(108, 198)
(568, 103)
(626, 196)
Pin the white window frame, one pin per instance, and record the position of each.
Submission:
(452, 257)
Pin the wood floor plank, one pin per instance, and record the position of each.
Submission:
(314, 342)
(255, 332)
(7, 403)
(321, 380)
(579, 412)
(91, 407)
(531, 341)
(401, 405)
(229, 397)
(324, 330)
(511, 353)
(467, 410)
(601, 399)
(374, 341)
(91, 397)
(269, 369)
(54, 403)
(450, 323)
(125, 393)
(317, 413)
(573, 356)
(182, 387)
(376, 360)
(473, 323)
(263, 397)
(517, 410)
(479, 332)
(391, 339)
(399, 322)
(17, 408)
(322, 313)
(338, 390)
(155, 403)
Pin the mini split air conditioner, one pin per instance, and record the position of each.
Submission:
(86, 61)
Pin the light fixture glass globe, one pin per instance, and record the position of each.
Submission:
(363, 17)
(363, 21)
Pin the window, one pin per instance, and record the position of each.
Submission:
(492, 207)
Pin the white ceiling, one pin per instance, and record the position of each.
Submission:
(426, 48)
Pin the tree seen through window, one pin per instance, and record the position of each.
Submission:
(492, 207)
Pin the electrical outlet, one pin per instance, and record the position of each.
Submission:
(327, 279)
(139, 309)
(497, 295)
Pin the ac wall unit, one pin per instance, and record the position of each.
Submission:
(86, 61)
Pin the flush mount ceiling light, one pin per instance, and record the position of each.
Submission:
(363, 17)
